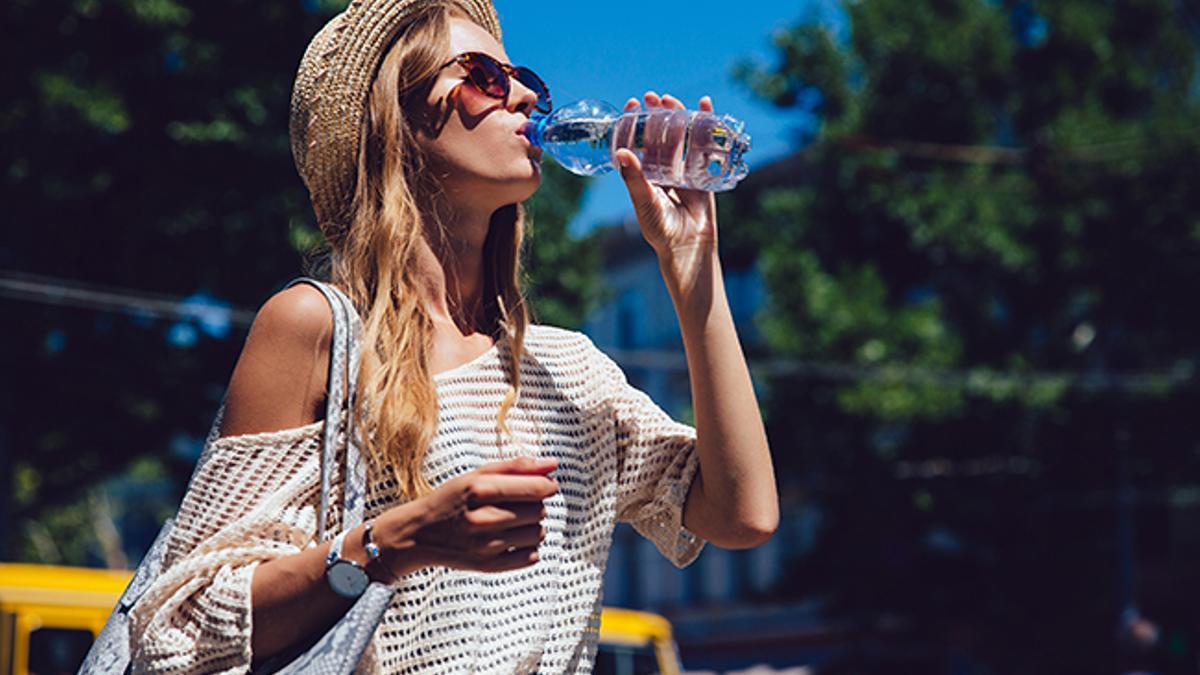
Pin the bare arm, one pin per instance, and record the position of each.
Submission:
(279, 382)
(733, 501)
(471, 522)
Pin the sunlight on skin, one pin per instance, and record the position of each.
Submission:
(686, 227)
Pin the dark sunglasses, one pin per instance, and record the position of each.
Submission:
(491, 77)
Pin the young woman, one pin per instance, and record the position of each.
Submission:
(500, 453)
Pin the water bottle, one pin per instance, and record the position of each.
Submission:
(678, 148)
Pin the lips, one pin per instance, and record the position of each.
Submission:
(534, 151)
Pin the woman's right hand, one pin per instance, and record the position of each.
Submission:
(487, 520)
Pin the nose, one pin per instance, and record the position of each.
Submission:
(521, 98)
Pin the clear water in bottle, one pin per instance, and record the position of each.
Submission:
(678, 148)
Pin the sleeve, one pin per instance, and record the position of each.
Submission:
(254, 500)
(656, 465)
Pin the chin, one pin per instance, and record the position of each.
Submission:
(523, 188)
(499, 190)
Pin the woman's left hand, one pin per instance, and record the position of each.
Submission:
(679, 224)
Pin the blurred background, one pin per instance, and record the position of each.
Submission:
(964, 265)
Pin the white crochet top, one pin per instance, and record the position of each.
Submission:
(620, 458)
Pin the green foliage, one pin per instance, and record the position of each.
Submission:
(62, 535)
(986, 259)
(97, 106)
(562, 270)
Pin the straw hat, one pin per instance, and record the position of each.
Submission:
(330, 95)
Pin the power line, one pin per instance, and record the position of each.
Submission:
(975, 380)
(64, 293)
(1099, 152)
(943, 152)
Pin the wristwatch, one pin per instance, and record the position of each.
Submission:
(346, 577)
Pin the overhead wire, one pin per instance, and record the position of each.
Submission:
(80, 295)
(66, 293)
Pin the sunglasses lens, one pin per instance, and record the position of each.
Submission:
(528, 78)
(486, 73)
(491, 77)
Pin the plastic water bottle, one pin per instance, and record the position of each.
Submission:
(678, 148)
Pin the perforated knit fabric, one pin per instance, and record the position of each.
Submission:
(620, 458)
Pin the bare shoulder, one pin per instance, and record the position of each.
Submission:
(300, 313)
(279, 380)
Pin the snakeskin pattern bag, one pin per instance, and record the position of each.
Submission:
(338, 651)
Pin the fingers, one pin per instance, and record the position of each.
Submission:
(669, 101)
(640, 191)
(491, 556)
(627, 161)
(635, 181)
(511, 560)
(517, 537)
(653, 100)
(510, 549)
(484, 549)
(494, 488)
(499, 517)
(521, 465)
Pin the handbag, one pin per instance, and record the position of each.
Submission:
(338, 651)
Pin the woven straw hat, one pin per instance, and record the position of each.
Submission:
(330, 95)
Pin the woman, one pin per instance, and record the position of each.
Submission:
(501, 453)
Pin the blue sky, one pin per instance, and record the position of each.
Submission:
(620, 48)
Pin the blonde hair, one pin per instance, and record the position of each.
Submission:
(372, 259)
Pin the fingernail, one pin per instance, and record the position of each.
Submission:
(623, 161)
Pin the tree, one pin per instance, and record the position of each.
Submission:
(145, 146)
(985, 278)
(561, 270)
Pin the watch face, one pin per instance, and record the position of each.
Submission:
(347, 579)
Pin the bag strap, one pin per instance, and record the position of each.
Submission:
(339, 409)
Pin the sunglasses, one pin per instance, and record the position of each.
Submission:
(492, 77)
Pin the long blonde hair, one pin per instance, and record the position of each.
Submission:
(372, 259)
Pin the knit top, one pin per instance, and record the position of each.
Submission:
(621, 458)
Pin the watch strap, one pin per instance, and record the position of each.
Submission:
(335, 549)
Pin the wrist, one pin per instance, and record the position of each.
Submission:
(394, 533)
(344, 570)
(349, 547)
(693, 279)
(681, 257)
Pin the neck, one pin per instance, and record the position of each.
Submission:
(450, 269)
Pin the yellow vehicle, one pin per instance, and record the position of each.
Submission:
(50, 615)
(635, 643)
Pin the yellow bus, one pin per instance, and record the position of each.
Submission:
(50, 615)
